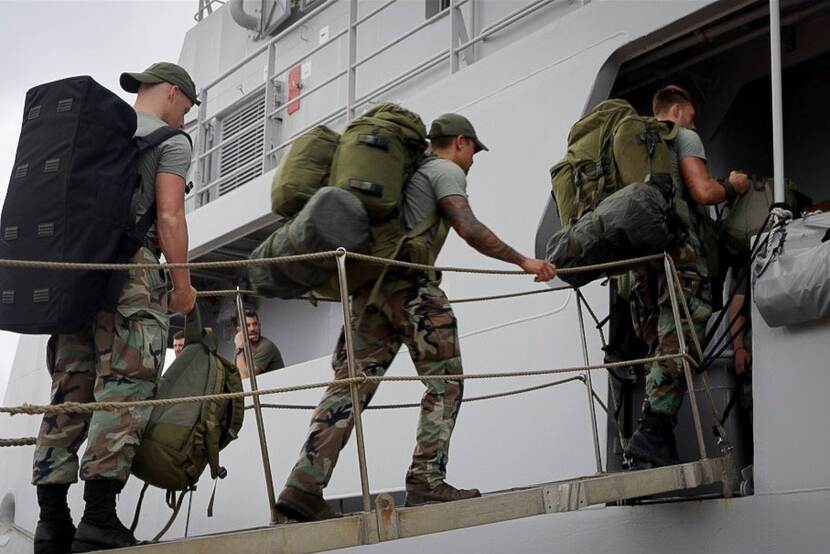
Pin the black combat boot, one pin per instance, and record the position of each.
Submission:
(653, 443)
(54, 531)
(303, 506)
(100, 528)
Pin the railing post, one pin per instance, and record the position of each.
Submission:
(588, 383)
(777, 105)
(353, 387)
(269, 160)
(351, 75)
(260, 425)
(453, 37)
(681, 339)
(201, 146)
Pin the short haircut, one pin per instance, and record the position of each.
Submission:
(445, 142)
(178, 335)
(668, 96)
(441, 142)
(248, 313)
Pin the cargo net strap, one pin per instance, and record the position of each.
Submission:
(73, 407)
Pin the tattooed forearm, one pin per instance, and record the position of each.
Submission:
(458, 212)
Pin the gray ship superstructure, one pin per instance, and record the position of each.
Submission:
(522, 72)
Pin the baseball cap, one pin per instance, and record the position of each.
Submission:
(452, 125)
(161, 72)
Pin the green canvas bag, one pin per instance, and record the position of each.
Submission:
(181, 440)
(376, 155)
(609, 148)
(748, 213)
(303, 170)
(373, 159)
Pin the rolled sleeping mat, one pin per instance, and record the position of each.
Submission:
(331, 219)
(634, 221)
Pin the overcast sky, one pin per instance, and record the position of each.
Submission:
(45, 41)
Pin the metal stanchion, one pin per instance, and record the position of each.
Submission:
(353, 387)
(263, 444)
(588, 384)
(681, 339)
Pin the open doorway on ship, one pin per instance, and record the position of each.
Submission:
(725, 65)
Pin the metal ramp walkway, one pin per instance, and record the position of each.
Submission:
(389, 522)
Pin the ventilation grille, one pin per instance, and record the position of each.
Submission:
(243, 150)
(40, 296)
(11, 233)
(45, 230)
(52, 166)
(8, 297)
(34, 113)
(65, 105)
(21, 171)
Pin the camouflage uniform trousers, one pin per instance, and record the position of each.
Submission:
(421, 317)
(654, 322)
(118, 358)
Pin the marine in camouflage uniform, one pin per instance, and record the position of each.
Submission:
(418, 315)
(118, 358)
(653, 443)
(654, 321)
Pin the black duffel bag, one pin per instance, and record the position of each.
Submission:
(634, 221)
(331, 219)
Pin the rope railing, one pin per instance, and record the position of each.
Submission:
(89, 407)
(85, 266)
(418, 404)
(314, 299)
(75, 407)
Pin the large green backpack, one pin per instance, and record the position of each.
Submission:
(610, 147)
(181, 440)
(374, 158)
(304, 169)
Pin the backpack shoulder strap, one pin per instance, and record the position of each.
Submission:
(159, 136)
(146, 143)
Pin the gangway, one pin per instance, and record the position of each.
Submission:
(389, 522)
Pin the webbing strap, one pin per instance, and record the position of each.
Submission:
(137, 513)
(176, 507)
(416, 231)
(145, 143)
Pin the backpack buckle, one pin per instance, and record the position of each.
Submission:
(374, 140)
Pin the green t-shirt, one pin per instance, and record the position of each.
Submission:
(435, 178)
(686, 145)
(267, 356)
(171, 156)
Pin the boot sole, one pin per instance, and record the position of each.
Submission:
(81, 546)
(419, 499)
(52, 547)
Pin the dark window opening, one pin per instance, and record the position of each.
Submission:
(434, 7)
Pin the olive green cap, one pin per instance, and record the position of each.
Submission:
(452, 125)
(161, 72)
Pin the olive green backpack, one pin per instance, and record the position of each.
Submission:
(373, 159)
(610, 147)
(181, 440)
(304, 169)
